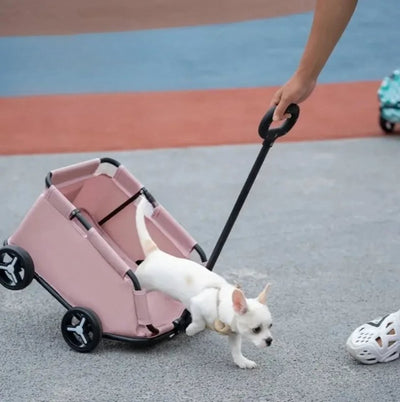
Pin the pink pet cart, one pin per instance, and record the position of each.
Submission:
(79, 242)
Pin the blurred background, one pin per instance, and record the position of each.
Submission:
(98, 75)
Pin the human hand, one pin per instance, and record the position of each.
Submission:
(296, 90)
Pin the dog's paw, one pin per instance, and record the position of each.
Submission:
(193, 330)
(245, 363)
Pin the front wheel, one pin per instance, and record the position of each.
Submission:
(386, 126)
(81, 329)
(16, 268)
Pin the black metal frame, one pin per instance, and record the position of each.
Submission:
(269, 136)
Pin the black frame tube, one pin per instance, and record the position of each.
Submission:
(76, 213)
(200, 252)
(134, 279)
(238, 205)
(269, 135)
(119, 208)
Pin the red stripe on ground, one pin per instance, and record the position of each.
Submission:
(77, 123)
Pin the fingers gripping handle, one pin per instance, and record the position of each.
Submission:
(271, 134)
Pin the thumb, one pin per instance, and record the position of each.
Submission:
(276, 98)
(280, 110)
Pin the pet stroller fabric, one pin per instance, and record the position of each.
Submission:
(81, 236)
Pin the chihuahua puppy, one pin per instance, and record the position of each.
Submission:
(211, 300)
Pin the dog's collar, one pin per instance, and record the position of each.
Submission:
(222, 328)
(219, 326)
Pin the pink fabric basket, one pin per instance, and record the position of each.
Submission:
(82, 239)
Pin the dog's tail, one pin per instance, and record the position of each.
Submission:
(146, 241)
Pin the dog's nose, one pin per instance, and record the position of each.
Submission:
(268, 341)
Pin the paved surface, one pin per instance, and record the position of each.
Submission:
(322, 225)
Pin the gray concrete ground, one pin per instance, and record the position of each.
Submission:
(322, 225)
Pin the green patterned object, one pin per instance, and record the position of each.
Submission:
(389, 97)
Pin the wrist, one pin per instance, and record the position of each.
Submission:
(306, 75)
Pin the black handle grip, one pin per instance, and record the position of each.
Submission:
(272, 134)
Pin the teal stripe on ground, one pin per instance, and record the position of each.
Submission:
(247, 54)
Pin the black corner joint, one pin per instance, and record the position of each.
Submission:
(48, 180)
(182, 322)
(134, 279)
(149, 197)
(111, 161)
(200, 252)
(76, 213)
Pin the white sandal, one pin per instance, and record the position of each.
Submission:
(377, 341)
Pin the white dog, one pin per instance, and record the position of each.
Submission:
(211, 300)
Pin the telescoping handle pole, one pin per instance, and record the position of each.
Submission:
(269, 135)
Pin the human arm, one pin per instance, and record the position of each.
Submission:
(330, 20)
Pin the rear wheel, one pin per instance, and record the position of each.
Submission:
(16, 268)
(81, 329)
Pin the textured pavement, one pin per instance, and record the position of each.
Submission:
(322, 224)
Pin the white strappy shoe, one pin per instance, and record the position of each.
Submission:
(377, 341)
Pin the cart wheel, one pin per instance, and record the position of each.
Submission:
(16, 268)
(81, 329)
(386, 126)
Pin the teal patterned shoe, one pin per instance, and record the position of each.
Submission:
(389, 98)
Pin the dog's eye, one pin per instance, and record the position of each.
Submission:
(270, 326)
(257, 330)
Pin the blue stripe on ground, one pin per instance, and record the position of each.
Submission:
(246, 54)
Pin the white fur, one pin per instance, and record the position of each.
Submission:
(207, 296)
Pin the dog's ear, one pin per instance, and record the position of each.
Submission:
(239, 302)
(262, 297)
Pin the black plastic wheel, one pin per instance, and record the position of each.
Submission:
(81, 329)
(16, 268)
(386, 126)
